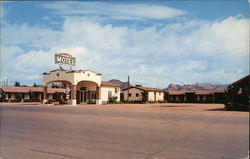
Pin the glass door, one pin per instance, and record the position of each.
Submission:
(85, 96)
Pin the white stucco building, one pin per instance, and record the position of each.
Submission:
(135, 93)
(83, 86)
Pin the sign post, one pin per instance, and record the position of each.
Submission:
(68, 60)
(67, 91)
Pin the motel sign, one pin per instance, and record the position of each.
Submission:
(64, 58)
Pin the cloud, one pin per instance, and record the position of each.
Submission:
(32, 36)
(188, 52)
(116, 11)
(1, 11)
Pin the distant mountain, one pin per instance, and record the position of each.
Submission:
(203, 86)
(123, 85)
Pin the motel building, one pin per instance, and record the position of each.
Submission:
(82, 86)
(195, 96)
(28, 94)
(138, 92)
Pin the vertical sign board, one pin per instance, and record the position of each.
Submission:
(67, 91)
(65, 59)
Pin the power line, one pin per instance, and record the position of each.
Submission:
(222, 53)
(217, 54)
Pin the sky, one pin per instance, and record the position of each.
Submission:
(154, 42)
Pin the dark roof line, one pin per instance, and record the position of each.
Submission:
(146, 89)
(241, 80)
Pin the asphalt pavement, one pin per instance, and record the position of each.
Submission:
(165, 131)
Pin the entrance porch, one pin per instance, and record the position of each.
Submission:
(87, 92)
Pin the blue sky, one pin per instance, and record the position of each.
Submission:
(155, 42)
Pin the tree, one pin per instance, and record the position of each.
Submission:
(144, 96)
(17, 84)
(34, 85)
(235, 100)
(18, 97)
(166, 97)
(32, 96)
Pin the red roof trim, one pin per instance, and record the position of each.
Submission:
(13, 89)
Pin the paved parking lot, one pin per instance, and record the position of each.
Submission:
(150, 131)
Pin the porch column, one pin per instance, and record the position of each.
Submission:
(45, 90)
(73, 95)
(98, 96)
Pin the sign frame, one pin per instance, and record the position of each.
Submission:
(65, 59)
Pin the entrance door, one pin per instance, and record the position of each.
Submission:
(83, 96)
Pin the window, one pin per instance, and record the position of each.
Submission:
(137, 94)
(129, 94)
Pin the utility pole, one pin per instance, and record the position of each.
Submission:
(128, 89)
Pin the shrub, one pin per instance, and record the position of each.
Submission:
(62, 101)
(15, 100)
(161, 101)
(27, 100)
(91, 101)
(144, 96)
(112, 100)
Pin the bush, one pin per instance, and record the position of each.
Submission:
(15, 100)
(91, 101)
(151, 101)
(161, 101)
(61, 101)
(112, 100)
(54, 100)
(137, 102)
(236, 106)
(27, 100)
